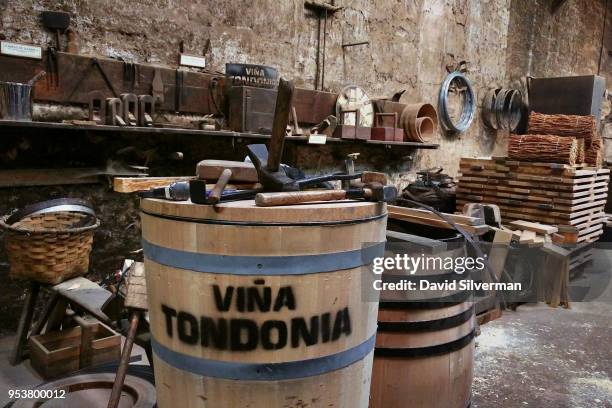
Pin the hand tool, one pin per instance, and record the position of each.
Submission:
(199, 195)
(157, 87)
(57, 21)
(97, 107)
(215, 194)
(130, 108)
(114, 111)
(349, 164)
(52, 68)
(374, 192)
(241, 171)
(270, 175)
(94, 64)
(177, 191)
(326, 127)
(146, 110)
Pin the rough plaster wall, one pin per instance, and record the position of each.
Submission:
(411, 43)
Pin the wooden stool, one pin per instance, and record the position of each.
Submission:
(80, 293)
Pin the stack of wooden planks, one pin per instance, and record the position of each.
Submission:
(570, 197)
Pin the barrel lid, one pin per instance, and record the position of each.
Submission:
(247, 211)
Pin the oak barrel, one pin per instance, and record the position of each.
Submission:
(261, 306)
(424, 353)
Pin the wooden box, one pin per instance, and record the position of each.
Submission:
(56, 353)
(251, 109)
(351, 132)
(387, 134)
(61, 352)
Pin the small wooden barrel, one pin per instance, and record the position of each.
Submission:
(261, 306)
(424, 354)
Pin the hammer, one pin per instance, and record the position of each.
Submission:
(373, 192)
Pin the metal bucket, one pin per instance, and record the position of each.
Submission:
(15, 101)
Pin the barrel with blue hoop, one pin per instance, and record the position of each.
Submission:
(261, 306)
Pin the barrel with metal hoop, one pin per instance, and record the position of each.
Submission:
(261, 306)
(424, 352)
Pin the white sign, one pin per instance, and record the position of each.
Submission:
(317, 139)
(192, 61)
(20, 50)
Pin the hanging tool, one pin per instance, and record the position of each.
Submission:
(94, 63)
(157, 86)
(374, 192)
(56, 21)
(52, 68)
(323, 11)
(178, 90)
(130, 75)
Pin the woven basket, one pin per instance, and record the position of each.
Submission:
(51, 247)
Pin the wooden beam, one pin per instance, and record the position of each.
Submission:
(536, 227)
(134, 184)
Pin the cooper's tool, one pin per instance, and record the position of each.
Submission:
(375, 192)
(178, 90)
(157, 86)
(146, 110)
(349, 164)
(94, 64)
(130, 109)
(199, 195)
(114, 112)
(177, 191)
(326, 127)
(52, 68)
(57, 21)
(241, 171)
(280, 181)
(215, 194)
(97, 107)
(270, 175)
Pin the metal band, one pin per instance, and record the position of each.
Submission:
(263, 371)
(435, 303)
(426, 351)
(262, 265)
(55, 205)
(264, 224)
(427, 325)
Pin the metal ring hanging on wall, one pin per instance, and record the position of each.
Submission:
(502, 108)
(469, 103)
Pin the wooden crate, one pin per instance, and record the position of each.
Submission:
(556, 194)
(56, 353)
(61, 352)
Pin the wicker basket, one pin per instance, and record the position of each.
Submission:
(49, 247)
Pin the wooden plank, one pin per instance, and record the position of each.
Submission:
(527, 237)
(460, 219)
(535, 227)
(472, 229)
(134, 184)
(499, 251)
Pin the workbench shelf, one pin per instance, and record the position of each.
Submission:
(8, 124)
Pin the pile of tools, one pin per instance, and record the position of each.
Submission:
(272, 183)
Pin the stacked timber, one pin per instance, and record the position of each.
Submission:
(543, 148)
(570, 197)
(594, 154)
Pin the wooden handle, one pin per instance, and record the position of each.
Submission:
(215, 195)
(279, 124)
(297, 197)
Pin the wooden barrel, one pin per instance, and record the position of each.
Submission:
(261, 306)
(424, 354)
